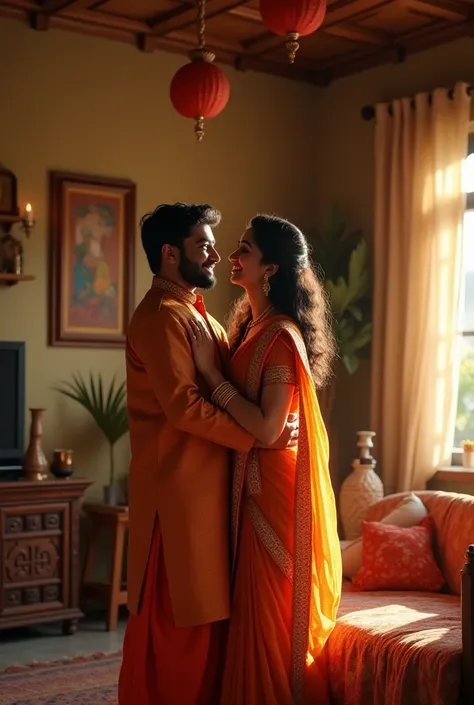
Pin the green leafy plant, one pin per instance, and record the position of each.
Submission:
(107, 407)
(343, 264)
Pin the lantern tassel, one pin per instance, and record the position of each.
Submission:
(199, 128)
(292, 45)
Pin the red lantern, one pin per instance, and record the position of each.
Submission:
(293, 19)
(200, 90)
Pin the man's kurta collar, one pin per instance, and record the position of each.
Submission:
(176, 290)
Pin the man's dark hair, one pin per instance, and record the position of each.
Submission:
(171, 225)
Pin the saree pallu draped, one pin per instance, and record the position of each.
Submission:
(286, 566)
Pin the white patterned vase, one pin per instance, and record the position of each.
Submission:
(360, 490)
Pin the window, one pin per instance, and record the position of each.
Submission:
(464, 427)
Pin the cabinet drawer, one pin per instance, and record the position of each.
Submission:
(34, 557)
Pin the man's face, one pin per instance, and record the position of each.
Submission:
(199, 257)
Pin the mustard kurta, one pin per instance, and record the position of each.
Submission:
(180, 467)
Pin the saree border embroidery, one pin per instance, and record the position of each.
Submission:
(302, 559)
(279, 374)
(302, 565)
(271, 541)
(238, 472)
(253, 481)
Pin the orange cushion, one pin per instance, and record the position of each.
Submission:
(395, 558)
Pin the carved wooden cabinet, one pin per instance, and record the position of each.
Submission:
(39, 552)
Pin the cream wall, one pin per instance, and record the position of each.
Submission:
(89, 105)
(344, 171)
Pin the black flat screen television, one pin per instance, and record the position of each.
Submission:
(12, 409)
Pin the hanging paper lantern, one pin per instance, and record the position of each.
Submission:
(200, 90)
(293, 19)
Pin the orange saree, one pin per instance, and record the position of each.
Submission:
(287, 566)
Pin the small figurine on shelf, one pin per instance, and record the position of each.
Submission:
(12, 255)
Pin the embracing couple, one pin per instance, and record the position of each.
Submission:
(234, 569)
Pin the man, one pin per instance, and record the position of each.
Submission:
(178, 565)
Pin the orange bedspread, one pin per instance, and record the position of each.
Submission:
(396, 648)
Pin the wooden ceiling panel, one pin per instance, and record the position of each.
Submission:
(235, 26)
(139, 10)
(396, 20)
(321, 45)
(356, 34)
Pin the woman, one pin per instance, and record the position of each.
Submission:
(286, 567)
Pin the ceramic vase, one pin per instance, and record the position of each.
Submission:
(110, 495)
(361, 489)
(468, 459)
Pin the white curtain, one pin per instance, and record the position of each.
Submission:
(419, 208)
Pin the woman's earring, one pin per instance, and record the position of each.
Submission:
(266, 284)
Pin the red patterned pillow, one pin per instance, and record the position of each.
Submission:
(395, 558)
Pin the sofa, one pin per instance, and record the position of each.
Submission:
(405, 647)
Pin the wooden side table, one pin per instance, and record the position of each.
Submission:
(39, 552)
(115, 520)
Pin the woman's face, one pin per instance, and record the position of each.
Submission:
(247, 268)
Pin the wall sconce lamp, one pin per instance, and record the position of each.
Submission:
(27, 221)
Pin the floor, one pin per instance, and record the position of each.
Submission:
(46, 643)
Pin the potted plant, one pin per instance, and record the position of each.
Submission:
(342, 261)
(108, 408)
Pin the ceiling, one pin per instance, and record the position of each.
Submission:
(356, 34)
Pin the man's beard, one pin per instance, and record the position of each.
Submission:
(193, 274)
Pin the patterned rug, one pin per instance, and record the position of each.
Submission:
(85, 680)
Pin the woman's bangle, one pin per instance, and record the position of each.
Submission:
(223, 395)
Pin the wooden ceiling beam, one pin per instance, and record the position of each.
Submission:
(411, 43)
(259, 64)
(51, 6)
(337, 13)
(353, 10)
(184, 17)
(356, 33)
(444, 9)
(246, 13)
(212, 41)
(39, 21)
(102, 19)
(263, 42)
(240, 62)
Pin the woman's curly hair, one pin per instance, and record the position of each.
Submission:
(295, 291)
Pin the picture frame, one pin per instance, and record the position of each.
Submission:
(92, 244)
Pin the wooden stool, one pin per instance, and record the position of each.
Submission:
(114, 519)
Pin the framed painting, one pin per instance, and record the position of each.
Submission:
(92, 260)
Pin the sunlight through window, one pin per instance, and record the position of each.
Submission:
(464, 427)
(468, 174)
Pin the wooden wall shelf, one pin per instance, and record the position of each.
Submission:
(10, 279)
(9, 219)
